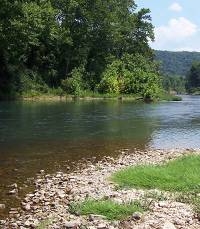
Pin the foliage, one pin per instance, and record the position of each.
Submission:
(133, 74)
(51, 39)
(193, 78)
(107, 208)
(174, 84)
(178, 175)
(176, 63)
(166, 96)
(74, 84)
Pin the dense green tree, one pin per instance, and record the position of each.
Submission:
(193, 78)
(75, 44)
(174, 84)
(176, 63)
(133, 74)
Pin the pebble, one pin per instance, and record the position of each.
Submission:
(13, 192)
(136, 216)
(2, 206)
(71, 224)
(102, 226)
(168, 225)
(27, 207)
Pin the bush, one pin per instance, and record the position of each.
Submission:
(74, 84)
(32, 83)
(110, 82)
(133, 74)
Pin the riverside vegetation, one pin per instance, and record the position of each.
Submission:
(76, 47)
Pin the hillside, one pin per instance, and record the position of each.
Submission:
(176, 63)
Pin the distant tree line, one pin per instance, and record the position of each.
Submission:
(174, 84)
(193, 79)
(74, 46)
(176, 63)
(180, 71)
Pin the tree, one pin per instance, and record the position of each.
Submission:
(193, 77)
(44, 44)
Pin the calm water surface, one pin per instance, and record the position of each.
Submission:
(52, 135)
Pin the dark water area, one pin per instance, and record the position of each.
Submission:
(55, 135)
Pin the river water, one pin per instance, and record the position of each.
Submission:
(53, 135)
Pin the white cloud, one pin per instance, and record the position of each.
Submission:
(176, 7)
(176, 30)
(187, 48)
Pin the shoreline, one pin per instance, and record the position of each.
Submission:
(49, 203)
(77, 98)
(99, 97)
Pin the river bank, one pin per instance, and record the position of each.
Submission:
(96, 96)
(84, 98)
(49, 206)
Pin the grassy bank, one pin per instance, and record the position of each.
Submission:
(86, 96)
(178, 175)
(177, 180)
(110, 209)
(164, 96)
(55, 96)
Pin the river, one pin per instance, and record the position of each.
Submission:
(55, 135)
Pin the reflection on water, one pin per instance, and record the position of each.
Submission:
(51, 135)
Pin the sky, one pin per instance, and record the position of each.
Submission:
(177, 24)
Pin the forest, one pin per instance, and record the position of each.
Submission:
(76, 47)
(176, 63)
(180, 71)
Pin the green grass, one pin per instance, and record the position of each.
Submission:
(164, 96)
(111, 210)
(182, 175)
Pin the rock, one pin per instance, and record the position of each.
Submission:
(136, 216)
(71, 224)
(13, 192)
(27, 223)
(95, 217)
(163, 204)
(2, 206)
(27, 207)
(13, 185)
(14, 225)
(35, 223)
(102, 226)
(61, 194)
(168, 225)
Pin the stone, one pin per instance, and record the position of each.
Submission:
(136, 216)
(2, 206)
(93, 217)
(13, 192)
(163, 204)
(27, 207)
(14, 225)
(13, 185)
(42, 171)
(102, 226)
(27, 223)
(71, 224)
(35, 223)
(61, 194)
(168, 225)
